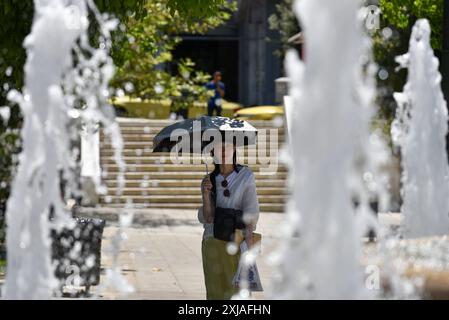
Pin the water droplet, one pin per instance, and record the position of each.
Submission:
(126, 219)
(368, 177)
(5, 113)
(120, 93)
(87, 72)
(8, 71)
(158, 89)
(387, 33)
(244, 293)
(129, 87)
(74, 113)
(144, 184)
(278, 122)
(232, 248)
(383, 74)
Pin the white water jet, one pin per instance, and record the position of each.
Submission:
(66, 81)
(420, 130)
(333, 106)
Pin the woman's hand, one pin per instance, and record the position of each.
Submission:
(206, 188)
(249, 236)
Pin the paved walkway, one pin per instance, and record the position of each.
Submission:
(161, 257)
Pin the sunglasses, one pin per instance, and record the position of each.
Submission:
(226, 192)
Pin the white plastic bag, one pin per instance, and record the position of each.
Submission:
(252, 273)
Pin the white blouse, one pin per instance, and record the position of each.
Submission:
(243, 196)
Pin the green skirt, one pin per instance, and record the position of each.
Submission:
(219, 269)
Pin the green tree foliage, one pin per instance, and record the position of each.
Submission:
(402, 14)
(285, 23)
(16, 17)
(388, 43)
(392, 40)
(187, 87)
(145, 52)
(195, 10)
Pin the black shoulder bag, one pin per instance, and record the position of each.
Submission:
(226, 220)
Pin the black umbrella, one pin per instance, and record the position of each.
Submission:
(202, 131)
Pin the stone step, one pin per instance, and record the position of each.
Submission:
(161, 123)
(176, 168)
(148, 152)
(264, 207)
(149, 133)
(152, 160)
(147, 141)
(128, 131)
(147, 160)
(152, 132)
(152, 180)
(130, 137)
(137, 135)
(142, 144)
(181, 175)
(177, 199)
(195, 183)
(148, 191)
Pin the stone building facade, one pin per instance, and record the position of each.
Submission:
(240, 49)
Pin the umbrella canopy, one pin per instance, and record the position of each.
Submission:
(202, 131)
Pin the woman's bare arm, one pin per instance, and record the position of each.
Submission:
(208, 211)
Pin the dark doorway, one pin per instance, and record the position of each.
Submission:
(213, 55)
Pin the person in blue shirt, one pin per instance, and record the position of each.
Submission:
(215, 101)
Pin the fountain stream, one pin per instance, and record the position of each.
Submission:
(333, 95)
(420, 130)
(66, 84)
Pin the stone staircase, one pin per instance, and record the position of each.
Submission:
(153, 181)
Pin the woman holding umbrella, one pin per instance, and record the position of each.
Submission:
(230, 207)
(229, 203)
